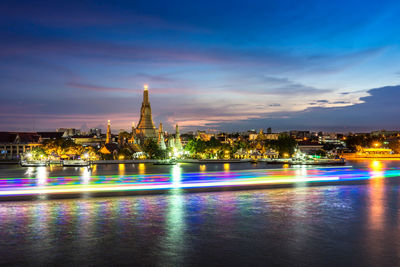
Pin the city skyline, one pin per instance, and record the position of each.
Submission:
(222, 66)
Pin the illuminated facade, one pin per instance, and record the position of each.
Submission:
(146, 128)
(13, 145)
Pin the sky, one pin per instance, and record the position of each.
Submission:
(210, 65)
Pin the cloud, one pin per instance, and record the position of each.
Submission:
(268, 85)
(379, 109)
(99, 88)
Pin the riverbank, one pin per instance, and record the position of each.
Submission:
(356, 156)
(137, 161)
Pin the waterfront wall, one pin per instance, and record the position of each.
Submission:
(370, 156)
(132, 161)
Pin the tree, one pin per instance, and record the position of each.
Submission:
(284, 145)
(320, 152)
(38, 153)
(394, 144)
(151, 148)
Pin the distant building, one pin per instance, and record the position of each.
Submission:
(14, 144)
(89, 140)
(68, 132)
(308, 147)
(203, 135)
(263, 136)
(44, 136)
(95, 131)
(330, 138)
(385, 133)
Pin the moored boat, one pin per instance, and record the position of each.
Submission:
(317, 162)
(166, 162)
(36, 163)
(75, 163)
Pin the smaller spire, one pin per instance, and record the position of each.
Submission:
(160, 132)
(178, 143)
(161, 142)
(108, 136)
(133, 138)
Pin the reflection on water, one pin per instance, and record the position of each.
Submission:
(173, 243)
(121, 169)
(227, 167)
(303, 226)
(86, 174)
(202, 167)
(376, 195)
(142, 168)
(94, 169)
(41, 175)
(29, 172)
(176, 176)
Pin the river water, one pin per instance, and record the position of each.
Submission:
(301, 225)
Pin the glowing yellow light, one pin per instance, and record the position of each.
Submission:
(146, 87)
(121, 169)
(202, 168)
(226, 167)
(142, 168)
(376, 144)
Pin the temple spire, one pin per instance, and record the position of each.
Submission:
(146, 128)
(146, 94)
(108, 136)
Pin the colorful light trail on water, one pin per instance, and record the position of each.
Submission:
(41, 184)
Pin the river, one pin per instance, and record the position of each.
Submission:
(300, 225)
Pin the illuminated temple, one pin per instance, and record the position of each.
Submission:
(146, 128)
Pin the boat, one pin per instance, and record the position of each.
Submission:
(35, 163)
(254, 161)
(317, 162)
(75, 163)
(166, 162)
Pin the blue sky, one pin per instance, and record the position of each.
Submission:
(225, 65)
